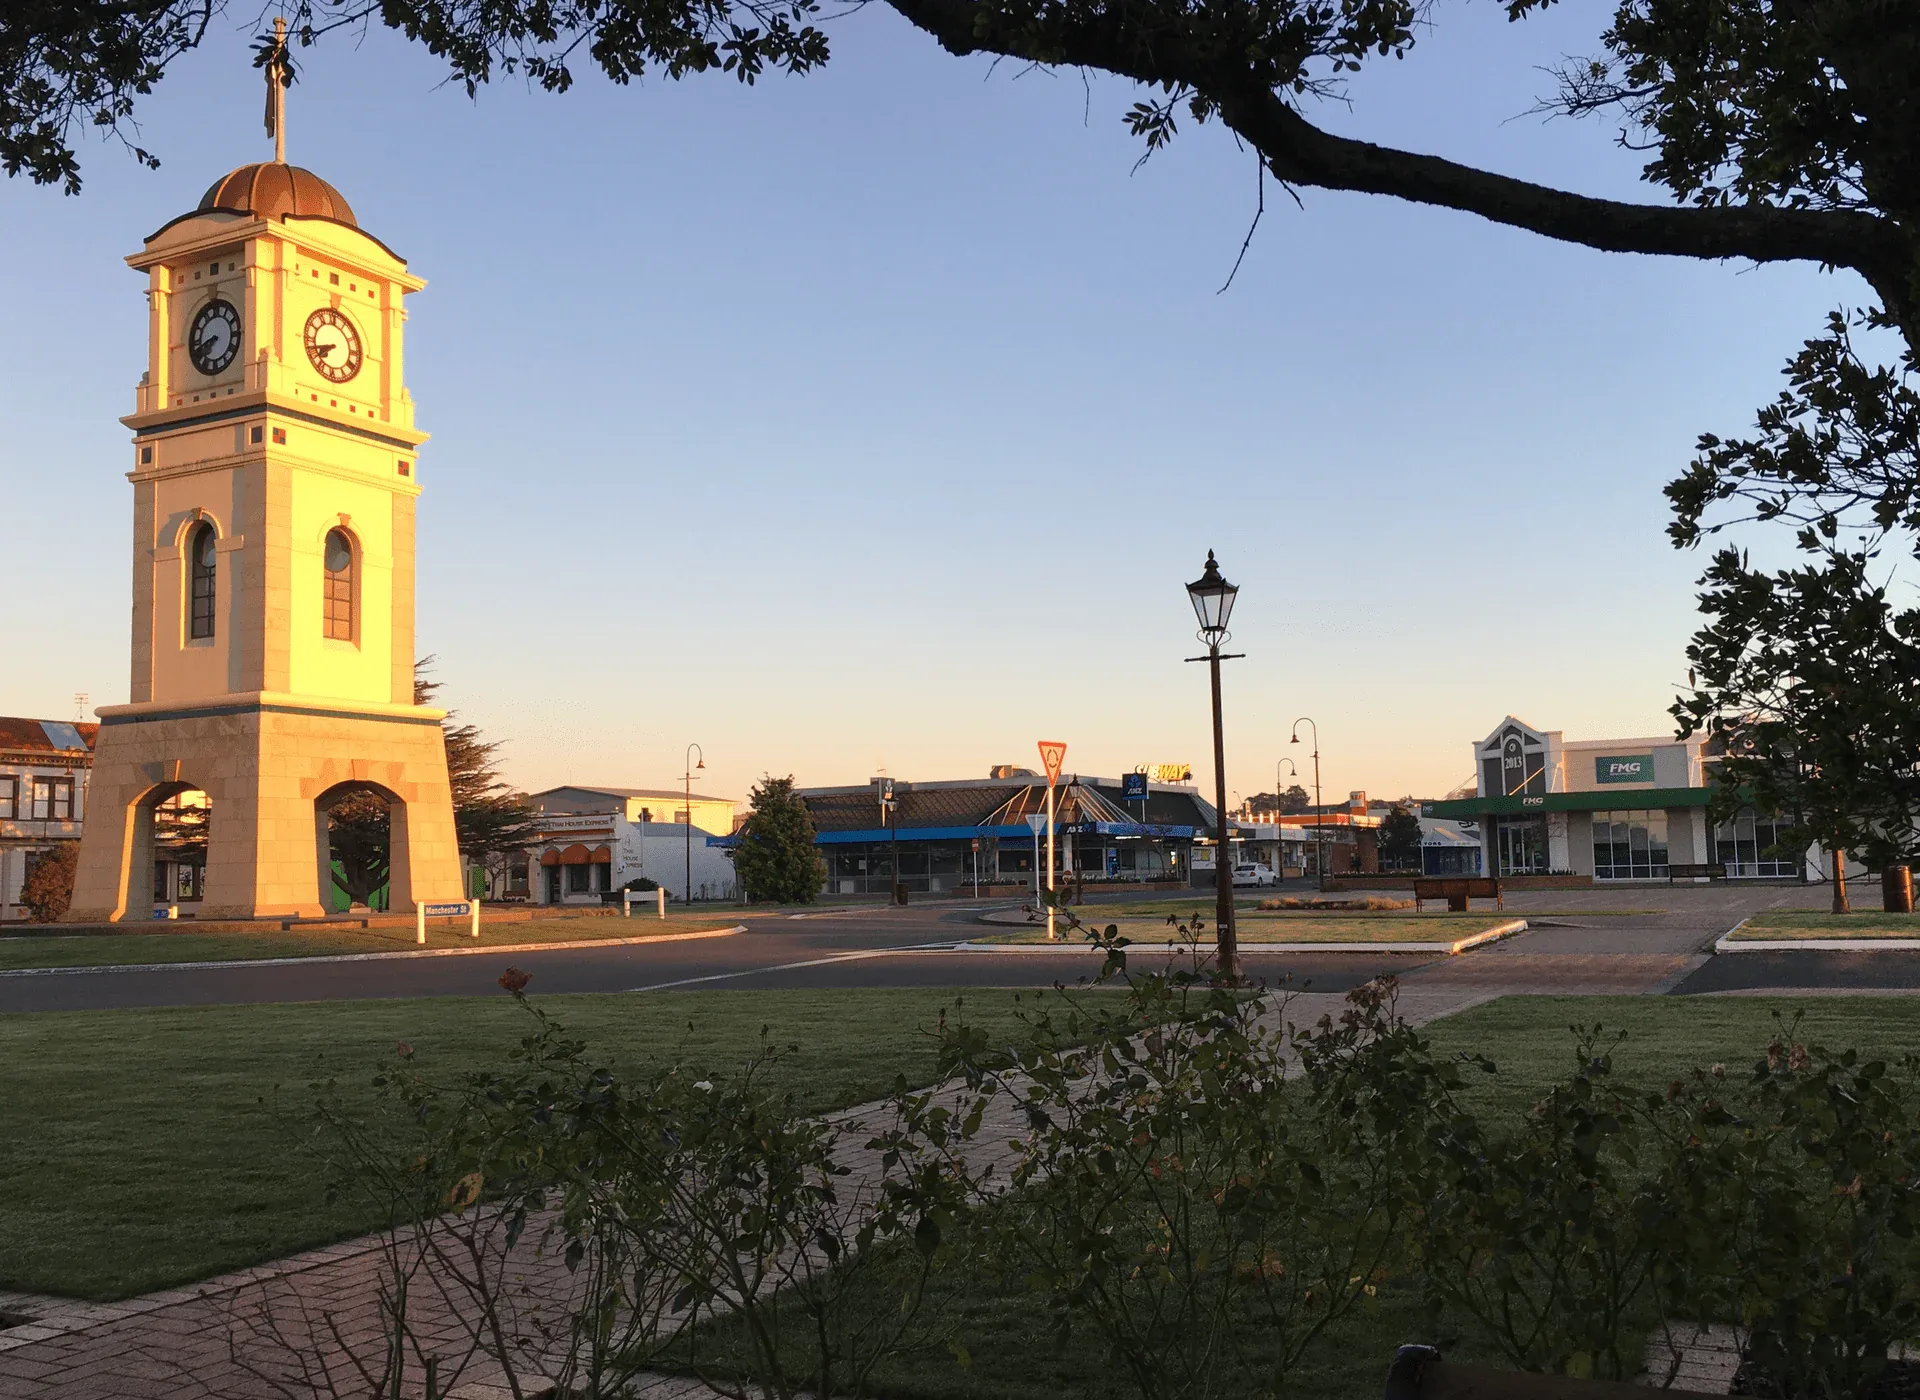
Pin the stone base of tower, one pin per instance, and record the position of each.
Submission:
(271, 766)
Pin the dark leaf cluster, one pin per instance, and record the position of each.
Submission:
(68, 67)
(1807, 682)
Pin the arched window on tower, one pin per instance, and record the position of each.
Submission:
(339, 586)
(200, 568)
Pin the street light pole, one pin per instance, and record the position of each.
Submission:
(688, 813)
(1212, 598)
(1279, 847)
(1319, 820)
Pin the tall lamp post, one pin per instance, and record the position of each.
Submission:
(1212, 598)
(1319, 825)
(1279, 849)
(692, 767)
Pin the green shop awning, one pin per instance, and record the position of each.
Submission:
(1612, 799)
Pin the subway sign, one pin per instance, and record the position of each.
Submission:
(1623, 768)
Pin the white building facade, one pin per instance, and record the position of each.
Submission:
(1613, 810)
(591, 842)
(44, 766)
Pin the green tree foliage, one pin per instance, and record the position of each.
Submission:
(775, 857)
(47, 892)
(490, 819)
(1809, 676)
(1400, 840)
(489, 816)
(1294, 799)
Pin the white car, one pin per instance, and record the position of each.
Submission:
(1255, 875)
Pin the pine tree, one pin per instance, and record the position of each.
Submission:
(490, 819)
(776, 859)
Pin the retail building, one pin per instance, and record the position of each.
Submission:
(950, 835)
(1611, 809)
(591, 841)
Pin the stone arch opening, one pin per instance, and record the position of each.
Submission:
(169, 826)
(182, 824)
(360, 833)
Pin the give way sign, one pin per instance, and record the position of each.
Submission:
(1052, 754)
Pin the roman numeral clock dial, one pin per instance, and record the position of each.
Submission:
(214, 338)
(333, 345)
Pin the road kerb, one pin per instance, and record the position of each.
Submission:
(1451, 948)
(1727, 943)
(378, 957)
(1817, 945)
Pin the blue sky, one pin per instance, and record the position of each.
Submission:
(878, 417)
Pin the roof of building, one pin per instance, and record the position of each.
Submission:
(675, 794)
(48, 736)
(273, 190)
(1000, 802)
(1443, 831)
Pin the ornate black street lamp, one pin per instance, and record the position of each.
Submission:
(1212, 598)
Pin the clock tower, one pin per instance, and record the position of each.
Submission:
(275, 475)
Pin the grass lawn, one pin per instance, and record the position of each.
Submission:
(1807, 923)
(141, 1149)
(1012, 1353)
(180, 944)
(1287, 927)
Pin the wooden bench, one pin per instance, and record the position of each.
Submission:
(1419, 1373)
(1457, 890)
(1713, 870)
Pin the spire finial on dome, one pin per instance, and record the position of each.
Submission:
(273, 58)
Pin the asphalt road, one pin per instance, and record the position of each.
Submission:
(1649, 939)
(876, 948)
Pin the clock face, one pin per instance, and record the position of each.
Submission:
(333, 345)
(214, 337)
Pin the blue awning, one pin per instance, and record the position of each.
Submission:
(907, 835)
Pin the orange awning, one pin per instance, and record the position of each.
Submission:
(575, 854)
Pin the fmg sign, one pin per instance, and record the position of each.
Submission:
(1623, 768)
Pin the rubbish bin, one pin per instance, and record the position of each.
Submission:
(1896, 889)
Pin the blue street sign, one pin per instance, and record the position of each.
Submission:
(446, 911)
(1133, 787)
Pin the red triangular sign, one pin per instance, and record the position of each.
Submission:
(1052, 754)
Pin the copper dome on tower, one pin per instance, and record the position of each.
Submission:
(271, 190)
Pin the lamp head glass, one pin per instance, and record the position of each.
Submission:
(1212, 598)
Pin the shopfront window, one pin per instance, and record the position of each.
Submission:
(1748, 847)
(1629, 845)
(1523, 846)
